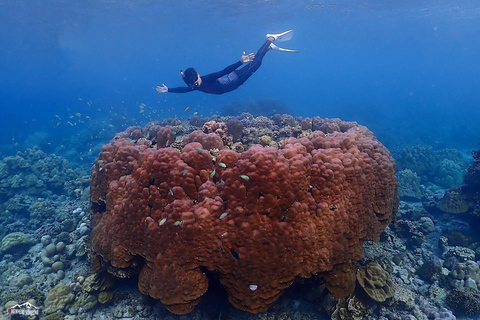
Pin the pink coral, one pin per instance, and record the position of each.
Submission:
(258, 219)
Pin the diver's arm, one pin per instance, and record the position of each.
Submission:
(165, 89)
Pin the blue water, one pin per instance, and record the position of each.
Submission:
(406, 69)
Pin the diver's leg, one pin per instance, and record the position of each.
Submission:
(249, 69)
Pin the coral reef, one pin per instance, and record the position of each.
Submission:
(444, 167)
(376, 282)
(431, 256)
(350, 308)
(15, 243)
(431, 269)
(471, 187)
(465, 274)
(453, 201)
(472, 176)
(34, 172)
(258, 219)
(464, 301)
(409, 185)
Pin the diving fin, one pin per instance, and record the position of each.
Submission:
(274, 47)
(280, 37)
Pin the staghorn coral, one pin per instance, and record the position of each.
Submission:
(258, 219)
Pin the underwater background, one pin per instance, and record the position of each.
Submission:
(407, 70)
(75, 73)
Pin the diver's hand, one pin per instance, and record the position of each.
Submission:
(247, 57)
(162, 89)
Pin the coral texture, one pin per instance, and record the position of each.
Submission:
(471, 187)
(444, 167)
(453, 201)
(409, 185)
(258, 219)
(351, 308)
(376, 282)
(34, 172)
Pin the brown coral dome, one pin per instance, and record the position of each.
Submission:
(258, 219)
(453, 201)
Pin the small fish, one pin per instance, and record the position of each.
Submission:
(100, 161)
(161, 222)
(222, 182)
(142, 111)
(185, 173)
(223, 165)
(212, 174)
(174, 132)
(100, 169)
(132, 141)
(195, 113)
(253, 287)
(78, 114)
(224, 215)
(178, 223)
(186, 109)
(124, 168)
(171, 192)
(199, 149)
(244, 177)
(167, 143)
(234, 254)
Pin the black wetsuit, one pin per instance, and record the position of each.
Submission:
(229, 78)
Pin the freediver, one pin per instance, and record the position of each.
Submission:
(229, 78)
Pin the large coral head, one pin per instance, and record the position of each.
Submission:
(258, 219)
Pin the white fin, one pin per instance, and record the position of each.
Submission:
(280, 37)
(274, 47)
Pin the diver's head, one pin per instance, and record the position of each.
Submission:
(190, 77)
